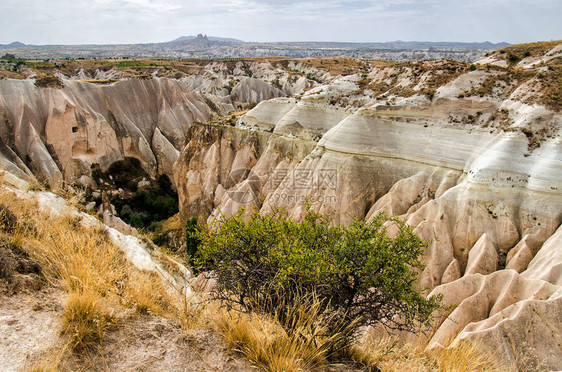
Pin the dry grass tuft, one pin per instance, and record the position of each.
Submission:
(196, 315)
(385, 354)
(44, 366)
(50, 361)
(301, 342)
(467, 356)
(85, 321)
(266, 344)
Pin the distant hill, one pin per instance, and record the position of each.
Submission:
(15, 44)
(210, 38)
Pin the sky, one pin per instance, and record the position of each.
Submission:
(144, 21)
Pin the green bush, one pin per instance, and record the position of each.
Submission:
(513, 57)
(155, 225)
(361, 275)
(126, 212)
(191, 238)
(161, 239)
(136, 220)
(146, 206)
(98, 175)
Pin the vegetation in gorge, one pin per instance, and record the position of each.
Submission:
(191, 239)
(140, 207)
(296, 292)
(49, 82)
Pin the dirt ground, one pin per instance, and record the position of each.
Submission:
(30, 332)
(29, 324)
(151, 343)
(30, 312)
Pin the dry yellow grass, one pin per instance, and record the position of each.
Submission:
(529, 49)
(80, 259)
(302, 343)
(386, 355)
(100, 283)
(267, 345)
(344, 65)
(172, 223)
(197, 314)
(85, 321)
(49, 361)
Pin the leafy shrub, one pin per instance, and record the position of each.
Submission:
(361, 275)
(309, 76)
(191, 239)
(155, 225)
(161, 239)
(126, 212)
(139, 220)
(98, 175)
(155, 204)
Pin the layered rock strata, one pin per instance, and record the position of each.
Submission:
(480, 177)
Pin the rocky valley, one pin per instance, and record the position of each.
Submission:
(469, 155)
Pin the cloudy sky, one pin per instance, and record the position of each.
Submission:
(135, 21)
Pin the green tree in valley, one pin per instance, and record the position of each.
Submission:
(361, 275)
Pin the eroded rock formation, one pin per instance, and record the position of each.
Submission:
(61, 133)
(472, 161)
(471, 157)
